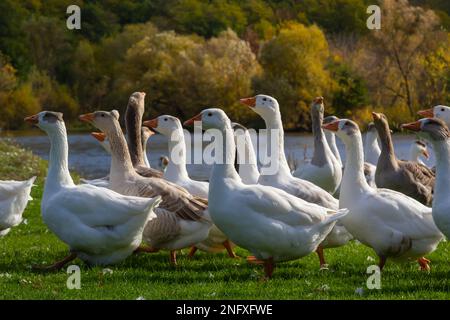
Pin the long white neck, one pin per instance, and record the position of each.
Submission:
(248, 166)
(121, 165)
(353, 182)
(58, 171)
(331, 139)
(275, 132)
(372, 149)
(176, 169)
(224, 164)
(442, 183)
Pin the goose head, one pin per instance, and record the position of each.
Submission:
(212, 118)
(48, 121)
(330, 119)
(136, 102)
(146, 134)
(106, 121)
(431, 129)
(345, 129)
(439, 111)
(419, 149)
(266, 106)
(166, 125)
(317, 106)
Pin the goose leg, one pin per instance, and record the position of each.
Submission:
(146, 250)
(192, 252)
(227, 246)
(57, 265)
(173, 257)
(254, 260)
(382, 262)
(323, 263)
(269, 265)
(424, 264)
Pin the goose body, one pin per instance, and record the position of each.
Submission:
(252, 216)
(393, 224)
(99, 225)
(176, 172)
(181, 219)
(14, 197)
(411, 178)
(324, 169)
(438, 134)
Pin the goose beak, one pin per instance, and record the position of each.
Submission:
(192, 120)
(318, 100)
(251, 102)
(376, 116)
(100, 136)
(426, 154)
(32, 119)
(413, 126)
(332, 126)
(151, 123)
(428, 113)
(88, 117)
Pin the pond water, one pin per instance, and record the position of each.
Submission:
(88, 158)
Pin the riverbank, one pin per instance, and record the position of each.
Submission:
(207, 276)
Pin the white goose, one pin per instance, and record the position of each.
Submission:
(182, 220)
(272, 224)
(440, 111)
(437, 133)
(372, 149)
(14, 197)
(104, 181)
(331, 139)
(99, 225)
(146, 133)
(324, 170)
(246, 157)
(176, 172)
(393, 224)
(268, 108)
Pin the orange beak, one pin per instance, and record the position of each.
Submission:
(426, 154)
(413, 126)
(32, 119)
(376, 116)
(251, 102)
(88, 117)
(192, 120)
(100, 136)
(428, 113)
(318, 100)
(151, 123)
(332, 126)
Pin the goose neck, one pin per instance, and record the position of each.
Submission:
(275, 146)
(121, 165)
(442, 184)
(331, 140)
(321, 148)
(133, 124)
(177, 152)
(58, 172)
(387, 155)
(224, 158)
(353, 181)
(246, 158)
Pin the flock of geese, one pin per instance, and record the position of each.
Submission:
(399, 208)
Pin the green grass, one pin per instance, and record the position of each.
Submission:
(207, 276)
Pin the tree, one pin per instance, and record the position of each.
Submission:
(294, 71)
(391, 58)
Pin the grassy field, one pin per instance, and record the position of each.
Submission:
(207, 276)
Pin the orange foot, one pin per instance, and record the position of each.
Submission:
(424, 264)
(254, 260)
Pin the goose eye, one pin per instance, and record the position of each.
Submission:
(102, 114)
(264, 99)
(442, 109)
(209, 114)
(165, 119)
